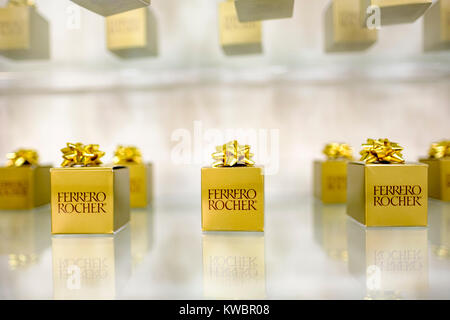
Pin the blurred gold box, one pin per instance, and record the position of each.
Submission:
(330, 222)
(391, 262)
(111, 7)
(387, 194)
(25, 34)
(233, 199)
(256, 10)
(24, 187)
(234, 266)
(438, 178)
(141, 184)
(90, 267)
(343, 29)
(330, 181)
(90, 199)
(436, 26)
(397, 11)
(238, 38)
(132, 34)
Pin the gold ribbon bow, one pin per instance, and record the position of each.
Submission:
(381, 151)
(232, 154)
(21, 3)
(338, 151)
(439, 150)
(22, 157)
(82, 155)
(126, 155)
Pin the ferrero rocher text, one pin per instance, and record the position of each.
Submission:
(81, 202)
(232, 199)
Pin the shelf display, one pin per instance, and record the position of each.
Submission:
(25, 34)
(383, 190)
(330, 176)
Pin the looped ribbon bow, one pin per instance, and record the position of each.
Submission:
(77, 154)
(335, 151)
(232, 154)
(21, 3)
(439, 150)
(22, 157)
(127, 155)
(381, 151)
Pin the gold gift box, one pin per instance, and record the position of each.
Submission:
(440, 228)
(89, 199)
(391, 262)
(330, 181)
(24, 34)
(24, 187)
(396, 11)
(436, 26)
(21, 236)
(111, 7)
(90, 267)
(234, 266)
(438, 178)
(238, 38)
(330, 222)
(132, 34)
(233, 199)
(343, 29)
(141, 184)
(256, 10)
(387, 194)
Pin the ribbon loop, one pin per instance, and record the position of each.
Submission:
(232, 154)
(22, 157)
(381, 151)
(127, 155)
(335, 151)
(77, 154)
(439, 150)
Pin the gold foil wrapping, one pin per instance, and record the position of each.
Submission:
(132, 34)
(238, 38)
(111, 7)
(438, 178)
(436, 26)
(343, 29)
(330, 181)
(24, 33)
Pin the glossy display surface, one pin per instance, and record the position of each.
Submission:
(309, 251)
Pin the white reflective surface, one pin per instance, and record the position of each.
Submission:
(309, 251)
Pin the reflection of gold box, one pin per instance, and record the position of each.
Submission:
(238, 37)
(343, 30)
(438, 178)
(24, 187)
(110, 7)
(21, 236)
(90, 267)
(330, 181)
(440, 228)
(132, 34)
(90, 199)
(141, 226)
(397, 11)
(436, 26)
(233, 199)
(391, 262)
(24, 34)
(330, 229)
(255, 10)
(234, 266)
(387, 194)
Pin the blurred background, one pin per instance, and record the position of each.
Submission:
(188, 95)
